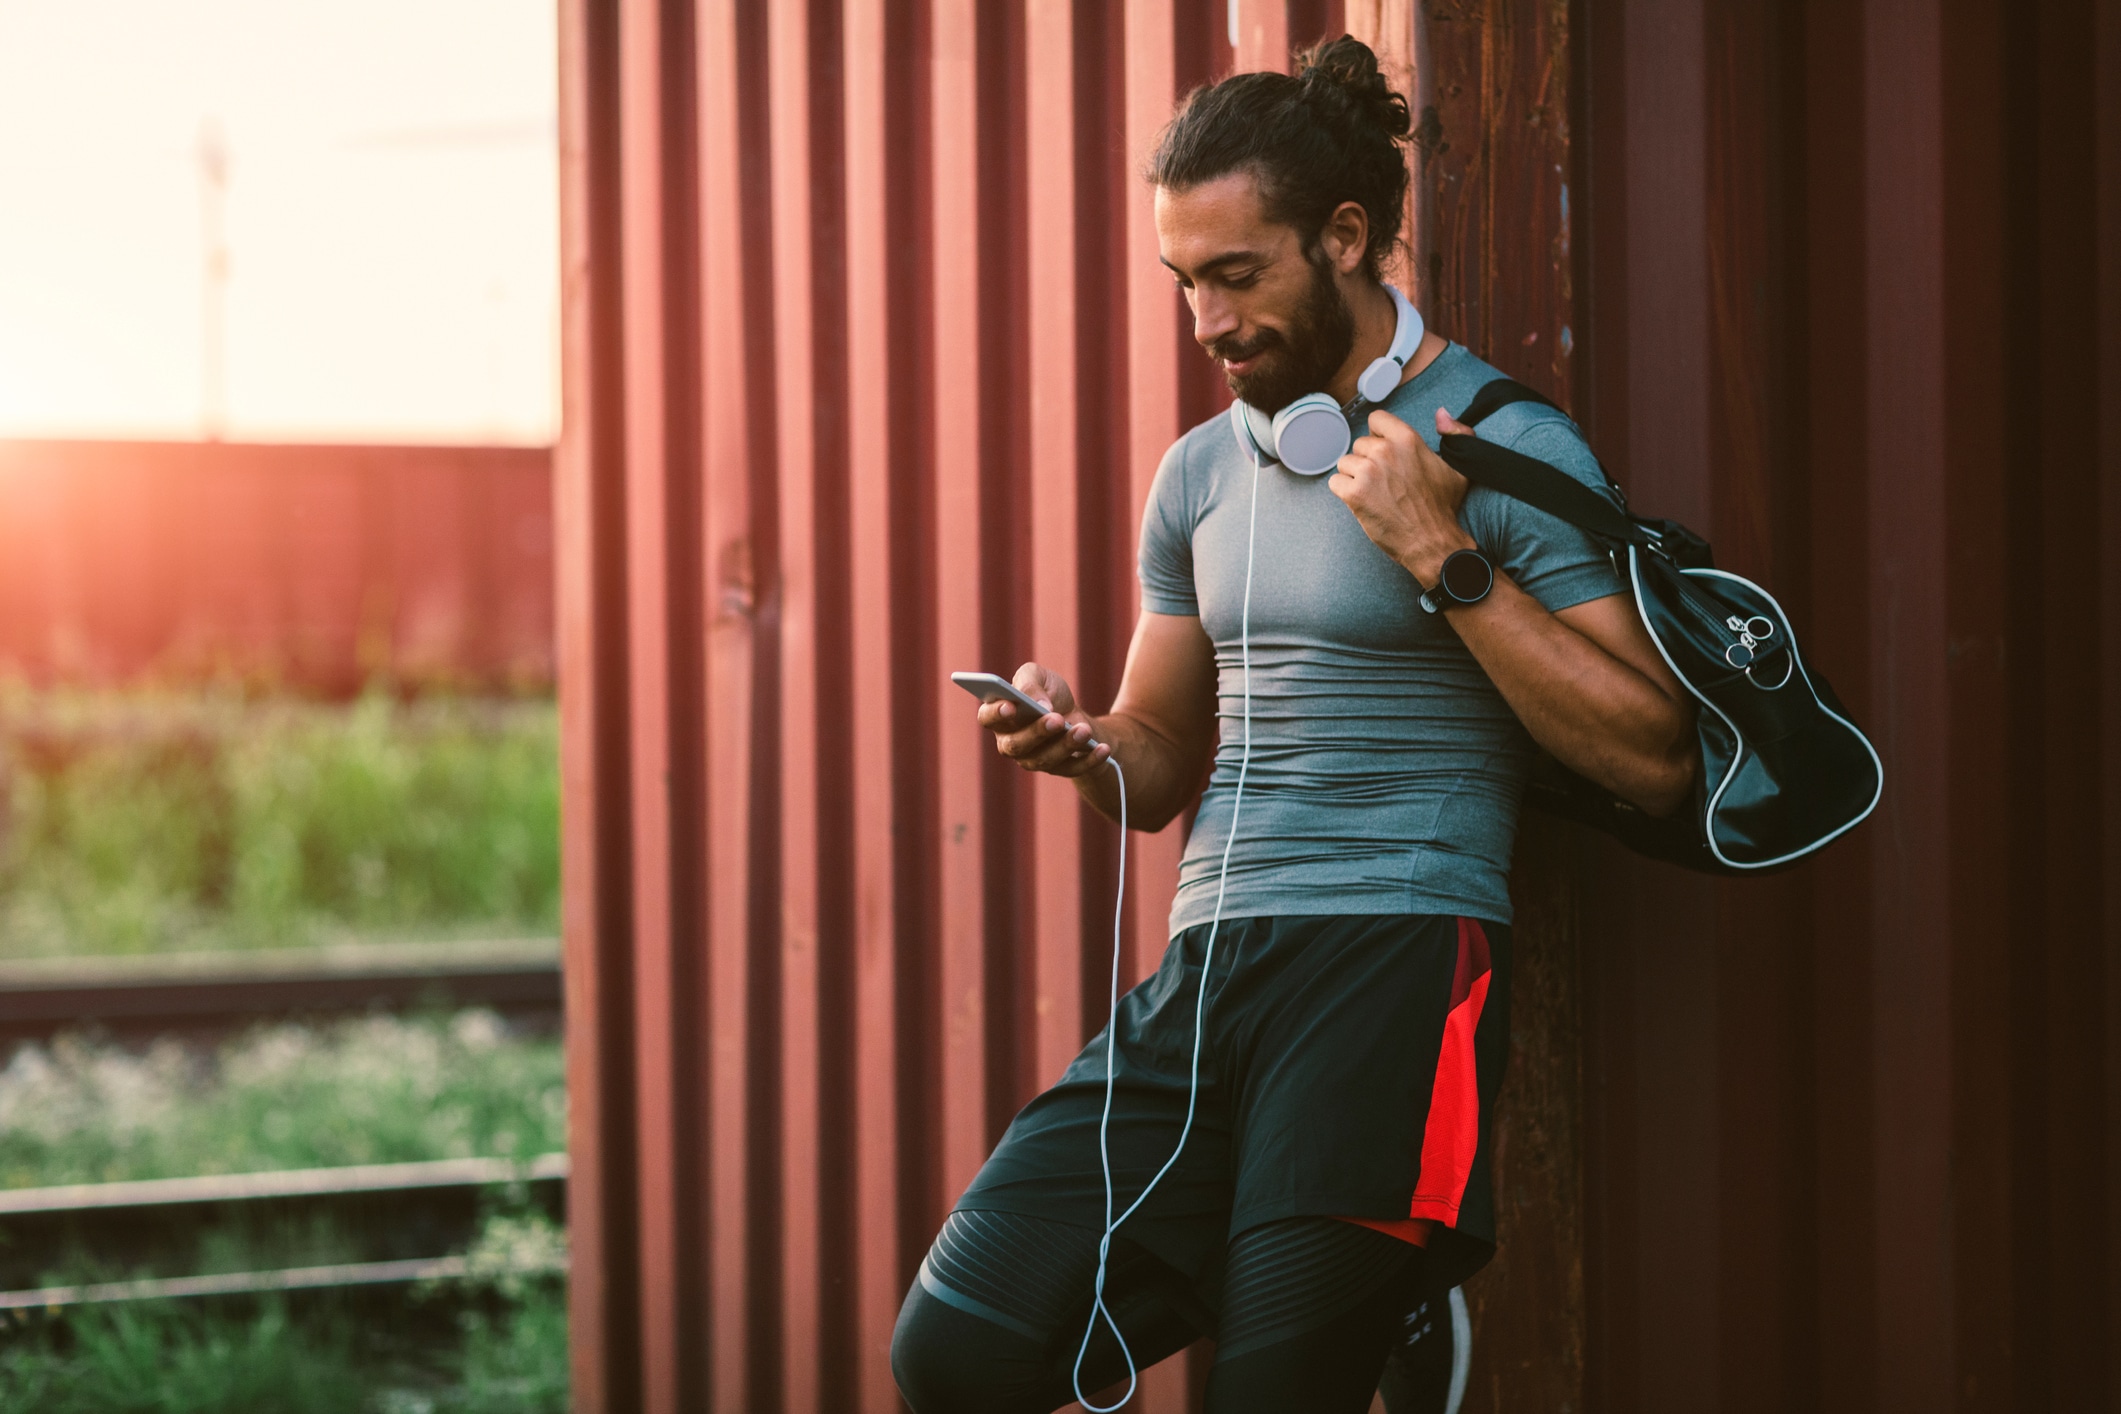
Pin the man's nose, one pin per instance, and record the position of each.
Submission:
(1213, 318)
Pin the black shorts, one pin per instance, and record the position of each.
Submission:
(1349, 1069)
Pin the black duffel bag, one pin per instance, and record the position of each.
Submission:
(1784, 770)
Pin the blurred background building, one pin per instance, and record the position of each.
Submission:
(239, 231)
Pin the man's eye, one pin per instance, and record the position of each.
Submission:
(1242, 282)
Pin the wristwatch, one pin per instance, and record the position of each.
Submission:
(1466, 579)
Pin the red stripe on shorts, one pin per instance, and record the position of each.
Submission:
(1453, 1132)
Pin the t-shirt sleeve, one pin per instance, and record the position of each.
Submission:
(1545, 556)
(1165, 562)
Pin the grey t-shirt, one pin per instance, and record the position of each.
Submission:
(1386, 769)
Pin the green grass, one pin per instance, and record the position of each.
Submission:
(150, 822)
(513, 1356)
(176, 1358)
(508, 1355)
(373, 1090)
(156, 822)
(516, 1362)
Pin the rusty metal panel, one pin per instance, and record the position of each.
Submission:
(1491, 221)
(2105, 465)
(594, 688)
(1490, 254)
(844, 325)
(925, 324)
(869, 365)
(885, 172)
(1835, 1117)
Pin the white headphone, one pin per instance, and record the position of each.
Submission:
(1311, 435)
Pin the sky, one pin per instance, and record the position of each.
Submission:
(390, 214)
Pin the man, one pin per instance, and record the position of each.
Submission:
(1334, 1175)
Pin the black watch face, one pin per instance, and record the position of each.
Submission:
(1467, 576)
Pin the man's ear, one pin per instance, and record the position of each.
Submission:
(1346, 236)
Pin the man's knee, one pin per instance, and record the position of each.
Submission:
(948, 1361)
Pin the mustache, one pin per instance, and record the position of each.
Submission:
(1231, 351)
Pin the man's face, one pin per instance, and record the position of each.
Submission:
(1276, 321)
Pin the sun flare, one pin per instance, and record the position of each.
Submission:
(336, 220)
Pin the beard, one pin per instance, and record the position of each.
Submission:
(1304, 360)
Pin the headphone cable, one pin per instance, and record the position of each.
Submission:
(1098, 1309)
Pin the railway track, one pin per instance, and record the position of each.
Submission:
(206, 995)
(364, 1227)
(372, 1225)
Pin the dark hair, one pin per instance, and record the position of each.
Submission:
(1330, 134)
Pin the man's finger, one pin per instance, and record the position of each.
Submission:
(1008, 719)
(1385, 425)
(1029, 736)
(1447, 423)
(1089, 761)
(1036, 683)
(1048, 737)
(1377, 449)
(1020, 746)
(1052, 758)
(1361, 467)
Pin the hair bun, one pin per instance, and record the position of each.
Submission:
(1332, 133)
(1341, 78)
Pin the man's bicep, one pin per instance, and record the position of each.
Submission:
(1548, 558)
(1169, 683)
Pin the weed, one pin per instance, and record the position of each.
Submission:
(373, 1090)
(174, 1358)
(514, 1363)
(514, 1354)
(142, 822)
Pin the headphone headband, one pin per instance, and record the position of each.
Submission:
(1383, 375)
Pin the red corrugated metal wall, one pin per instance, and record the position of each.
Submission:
(859, 295)
(1848, 290)
(319, 568)
(869, 361)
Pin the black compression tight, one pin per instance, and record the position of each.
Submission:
(1308, 1310)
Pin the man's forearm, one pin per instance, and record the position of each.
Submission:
(1599, 716)
(1162, 777)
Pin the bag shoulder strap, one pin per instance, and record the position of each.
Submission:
(1499, 393)
(1528, 479)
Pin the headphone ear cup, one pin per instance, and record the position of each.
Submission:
(1379, 379)
(1255, 431)
(1311, 435)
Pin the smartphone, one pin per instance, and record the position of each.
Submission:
(987, 687)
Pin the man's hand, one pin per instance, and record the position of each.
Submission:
(1058, 743)
(1405, 497)
(1587, 682)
